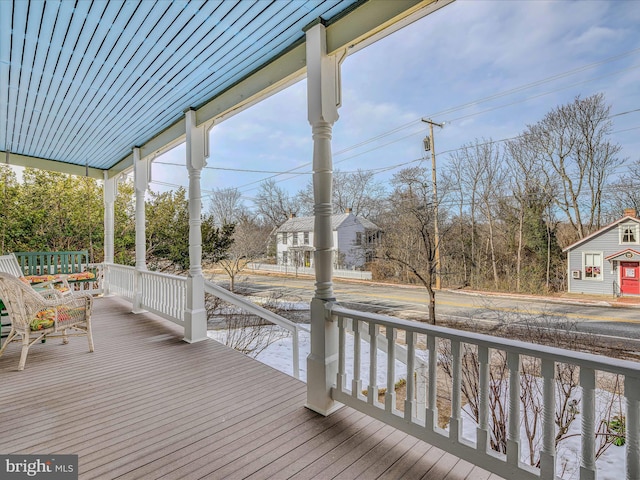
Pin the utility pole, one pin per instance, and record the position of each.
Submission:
(429, 145)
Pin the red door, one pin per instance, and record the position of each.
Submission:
(629, 283)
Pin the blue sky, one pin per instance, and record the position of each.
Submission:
(485, 68)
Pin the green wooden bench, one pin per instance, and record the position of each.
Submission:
(73, 264)
(53, 263)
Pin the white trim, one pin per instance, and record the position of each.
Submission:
(636, 233)
(600, 277)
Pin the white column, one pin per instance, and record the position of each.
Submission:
(141, 179)
(323, 94)
(195, 315)
(109, 195)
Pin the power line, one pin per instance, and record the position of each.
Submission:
(496, 96)
(294, 171)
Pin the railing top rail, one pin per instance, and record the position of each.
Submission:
(163, 275)
(147, 272)
(238, 301)
(589, 360)
(118, 265)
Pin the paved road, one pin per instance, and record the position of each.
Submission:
(598, 319)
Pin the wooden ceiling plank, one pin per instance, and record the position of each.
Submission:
(25, 93)
(37, 98)
(54, 70)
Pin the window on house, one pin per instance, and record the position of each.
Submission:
(285, 258)
(284, 238)
(629, 233)
(593, 266)
(306, 238)
(358, 238)
(295, 238)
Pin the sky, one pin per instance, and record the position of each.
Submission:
(484, 68)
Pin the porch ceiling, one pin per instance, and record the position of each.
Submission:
(81, 83)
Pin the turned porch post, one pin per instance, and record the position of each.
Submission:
(323, 94)
(195, 315)
(141, 179)
(109, 197)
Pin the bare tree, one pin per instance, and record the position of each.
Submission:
(249, 243)
(478, 167)
(624, 193)
(572, 142)
(532, 196)
(358, 191)
(226, 206)
(466, 171)
(273, 204)
(409, 239)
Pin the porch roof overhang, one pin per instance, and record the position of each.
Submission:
(82, 83)
(626, 255)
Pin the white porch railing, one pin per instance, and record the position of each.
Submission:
(165, 295)
(160, 293)
(421, 342)
(293, 270)
(120, 280)
(293, 328)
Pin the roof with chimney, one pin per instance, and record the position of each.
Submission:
(305, 224)
(629, 216)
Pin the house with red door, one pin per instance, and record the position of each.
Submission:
(607, 261)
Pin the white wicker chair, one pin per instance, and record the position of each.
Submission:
(34, 317)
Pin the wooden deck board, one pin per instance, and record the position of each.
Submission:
(147, 405)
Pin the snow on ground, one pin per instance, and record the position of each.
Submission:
(279, 355)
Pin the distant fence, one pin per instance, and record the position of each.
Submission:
(291, 270)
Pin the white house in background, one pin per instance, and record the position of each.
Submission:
(352, 235)
(607, 261)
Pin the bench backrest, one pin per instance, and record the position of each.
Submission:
(52, 263)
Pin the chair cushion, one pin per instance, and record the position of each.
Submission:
(40, 278)
(74, 277)
(46, 318)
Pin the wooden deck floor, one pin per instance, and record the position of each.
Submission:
(147, 405)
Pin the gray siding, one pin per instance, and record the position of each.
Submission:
(353, 254)
(606, 243)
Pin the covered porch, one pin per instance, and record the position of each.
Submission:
(157, 398)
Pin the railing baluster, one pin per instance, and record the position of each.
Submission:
(421, 390)
(356, 383)
(588, 457)
(456, 391)
(548, 453)
(296, 352)
(482, 433)
(632, 427)
(390, 396)
(513, 433)
(372, 391)
(432, 407)
(342, 377)
(410, 404)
